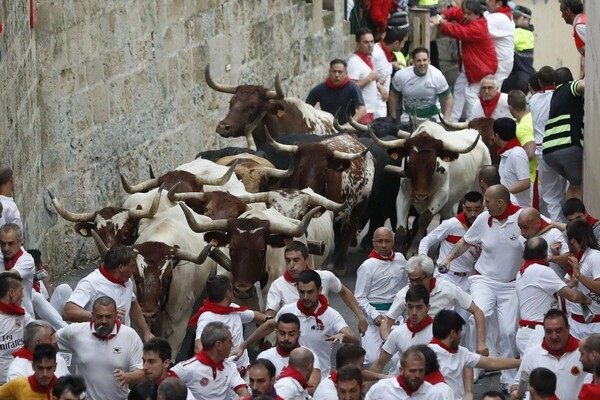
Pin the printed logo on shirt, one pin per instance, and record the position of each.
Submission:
(317, 327)
(575, 370)
(595, 297)
(204, 381)
(116, 350)
(18, 322)
(514, 237)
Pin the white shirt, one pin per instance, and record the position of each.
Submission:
(570, 376)
(452, 366)
(535, 290)
(10, 212)
(21, 367)
(96, 360)
(539, 105)
(313, 335)
(500, 111)
(11, 339)
(514, 167)
(326, 390)
(390, 389)
(199, 379)
(502, 31)
(357, 70)
(235, 321)
(447, 234)
(26, 268)
(553, 235)
(381, 64)
(96, 285)
(377, 282)
(401, 339)
(290, 389)
(502, 246)
(283, 292)
(590, 267)
(280, 362)
(420, 92)
(445, 295)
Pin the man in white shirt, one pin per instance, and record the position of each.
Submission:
(558, 352)
(410, 382)
(493, 283)
(362, 71)
(209, 375)
(433, 374)
(36, 332)
(502, 29)
(112, 279)
(14, 259)
(492, 103)
(537, 286)
(107, 354)
(284, 289)
(453, 358)
(292, 383)
(382, 60)
(262, 379)
(9, 212)
(378, 280)
(13, 319)
(589, 348)
(347, 355)
(349, 385)
(514, 164)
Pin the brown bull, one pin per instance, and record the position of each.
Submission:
(250, 169)
(215, 205)
(485, 127)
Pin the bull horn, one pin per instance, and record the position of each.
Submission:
(342, 155)
(336, 124)
(70, 216)
(449, 147)
(140, 187)
(278, 93)
(217, 86)
(395, 170)
(318, 200)
(413, 121)
(263, 197)
(102, 249)
(288, 148)
(191, 257)
(299, 229)
(391, 144)
(200, 227)
(279, 173)
(220, 258)
(316, 247)
(355, 124)
(220, 180)
(250, 128)
(134, 213)
(174, 196)
(403, 134)
(453, 125)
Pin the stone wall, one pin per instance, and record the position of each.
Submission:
(591, 180)
(107, 86)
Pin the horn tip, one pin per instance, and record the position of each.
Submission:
(52, 197)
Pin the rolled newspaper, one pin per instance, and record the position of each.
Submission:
(523, 384)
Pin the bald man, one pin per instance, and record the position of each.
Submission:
(532, 224)
(493, 282)
(378, 279)
(293, 380)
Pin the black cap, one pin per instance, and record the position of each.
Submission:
(522, 11)
(399, 20)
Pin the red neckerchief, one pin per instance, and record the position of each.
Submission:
(572, 345)
(443, 346)
(544, 227)
(489, 105)
(408, 391)
(110, 335)
(36, 286)
(170, 374)
(11, 309)
(434, 378)
(579, 255)
(506, 10)
(330, 84)
(319, 311)
(209, 306)
(462, 218)
(424, 324)
(333, 376)
(591, 220)
(291, 372)
(206, 360)
(527, 263)
(111, 277)
(365, 58)
(374, 254)
(511, 144)
(290, 278)
(510, 210)
(589, 391)
(9, 264)
(284, 353)
(23, 353)
(432, 283)
(388, 54)
(545, 88)
(36, 387)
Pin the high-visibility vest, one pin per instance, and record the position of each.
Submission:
(428, 3)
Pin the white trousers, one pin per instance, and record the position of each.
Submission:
(580, 330)
(463, 283)
(491, 295)
(527, 338)
(51, 311)
(372, 343)
(504, 69)
(553, 190)
(465, 96)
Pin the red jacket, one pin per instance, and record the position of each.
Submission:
(477, 48)
(379, 11)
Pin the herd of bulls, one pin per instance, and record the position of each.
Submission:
(302, 177)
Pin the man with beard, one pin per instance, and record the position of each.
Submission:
(559, 353)
(409, 384)
(362, 72)
(107, 353)
(378, 280)
(349, 383)
(347, 355)
(37, 386)
(262, 379)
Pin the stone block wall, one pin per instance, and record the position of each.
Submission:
(107, 86)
